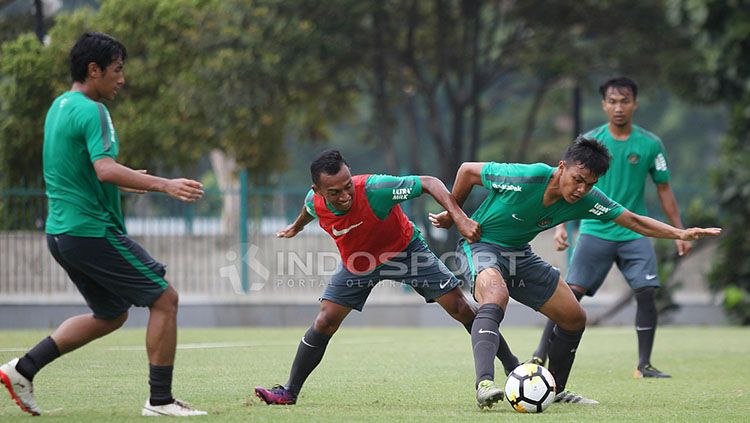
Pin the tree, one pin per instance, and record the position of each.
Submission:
(720, 32)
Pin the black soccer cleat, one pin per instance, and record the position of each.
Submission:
(649, 371)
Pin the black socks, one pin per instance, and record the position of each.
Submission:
(309, 354)
(562, 352)
(485, 340)
(543, 347)
(645, 323)
(160, 380)
(39, 356)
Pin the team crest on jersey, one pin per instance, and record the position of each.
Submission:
(634, 158)
(544, 223)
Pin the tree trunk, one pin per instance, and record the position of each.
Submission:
(225, 169)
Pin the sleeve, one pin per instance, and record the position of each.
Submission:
(99, 132)
(310, 204)
(600, 207)
(493, 173)
(385, 191)
(659, 169)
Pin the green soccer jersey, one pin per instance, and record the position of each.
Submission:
(77, 132)
(383, 192)
(633, 160)
(514, 213)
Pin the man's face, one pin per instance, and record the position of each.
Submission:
(110, 80)
(619, 104)
(575, 181)
(337, 189)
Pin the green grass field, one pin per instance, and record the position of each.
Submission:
(414, 374)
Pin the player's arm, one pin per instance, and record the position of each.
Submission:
(561, 237)
(299, 224)
(647, 226)
(108, 170)
(669, 205)
(469, 174)
(468, 228)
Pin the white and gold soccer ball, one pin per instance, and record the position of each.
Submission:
(530, 388)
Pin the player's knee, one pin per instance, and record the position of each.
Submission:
(574, 320)
(118, 321)
(167, 302)
(326, 323)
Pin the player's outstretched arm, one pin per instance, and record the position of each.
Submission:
(669, 205)
(653, 228)
(299, 224)
(469, 174)
(468, 228)
(108, 170)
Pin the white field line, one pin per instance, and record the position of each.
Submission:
(214, 345)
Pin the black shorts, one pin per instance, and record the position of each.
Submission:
(112, 273)
(530, 280)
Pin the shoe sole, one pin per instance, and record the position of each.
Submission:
(489, 402)
(639, 375)
(265, 400)
(9, 386)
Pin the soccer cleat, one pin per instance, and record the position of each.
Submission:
(21, 389)
(539, 361)
(278, 395)
(572, 397)
(488, 394)
(649, 371)
(177, 408)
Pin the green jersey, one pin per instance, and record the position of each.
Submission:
(77, 132)
(633, 160)
(514, 212)
(383, 192)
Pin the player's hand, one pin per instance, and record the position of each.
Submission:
(469, 229)
(186, 190)
(692, 234)
(441, 220)
(133, 190)
(288, 232)
(561, 238)
(683, 247)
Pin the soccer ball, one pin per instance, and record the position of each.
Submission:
(530, 388)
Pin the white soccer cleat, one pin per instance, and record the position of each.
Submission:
(573, 398)
(177, 408)
(21, 389)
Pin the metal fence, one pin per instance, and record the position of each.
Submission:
(218, 250)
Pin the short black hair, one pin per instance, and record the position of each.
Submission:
(619, 83)
(96, 47)
(590, 153)
(328, 162)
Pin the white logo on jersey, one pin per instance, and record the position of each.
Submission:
(345, 230)
(599, 210)
(507, 187)
(514, 216)
(660, 163)
(401, 193)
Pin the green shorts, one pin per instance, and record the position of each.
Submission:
(112, 273)
(530, 280)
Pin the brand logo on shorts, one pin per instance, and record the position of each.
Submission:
(444, 284)
(650, 277)
(634, 158)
